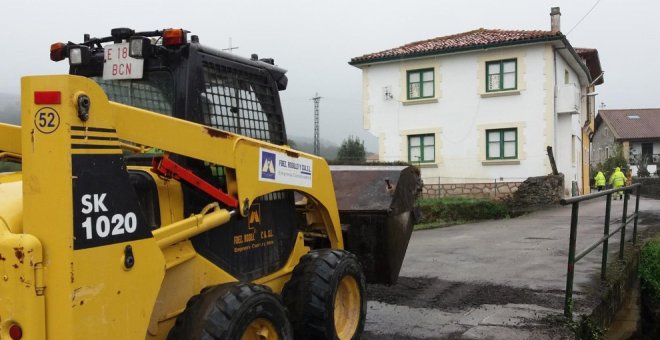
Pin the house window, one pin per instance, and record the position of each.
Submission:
(567, 77)
(647, 152)
(420, 84)
(607, 152)
(421, 148)
(501, 75)
(574, 153)
(502, 144)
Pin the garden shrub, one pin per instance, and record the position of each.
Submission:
(649, 269)
(451, 209)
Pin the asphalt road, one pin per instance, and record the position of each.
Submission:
(501, 279)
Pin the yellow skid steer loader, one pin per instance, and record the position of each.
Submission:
(157, 199)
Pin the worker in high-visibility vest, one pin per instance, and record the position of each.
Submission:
(600, 181)
(618, 179)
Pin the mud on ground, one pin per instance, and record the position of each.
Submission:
(461, 298)
(419, 292)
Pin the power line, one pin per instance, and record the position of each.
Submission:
(576, 25)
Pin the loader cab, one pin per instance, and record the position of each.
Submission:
(169, 72)
(164, 71)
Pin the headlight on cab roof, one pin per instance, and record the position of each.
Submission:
(79, 55)
(139, 47)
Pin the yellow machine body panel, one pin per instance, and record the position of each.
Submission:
(11, 202)
(90, 292)
(22, 285)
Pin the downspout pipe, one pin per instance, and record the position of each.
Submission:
(554, 101)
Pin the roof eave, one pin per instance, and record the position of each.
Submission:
(360, 63)
(577, 58)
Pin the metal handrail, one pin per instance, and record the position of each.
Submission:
(572, 258)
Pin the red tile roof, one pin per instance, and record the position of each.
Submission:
(626, 126)
(480, 38)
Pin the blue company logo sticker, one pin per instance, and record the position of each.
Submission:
(267, 165)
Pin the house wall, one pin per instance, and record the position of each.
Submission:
(587, 131)
(570, 115)
(602, 141)
(461, 111)
(636, 151)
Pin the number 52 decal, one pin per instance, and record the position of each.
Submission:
(47, 120)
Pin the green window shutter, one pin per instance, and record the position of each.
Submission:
(501, 75)
(421, 148)
(414, 149)
(421, 83)
(502, 144)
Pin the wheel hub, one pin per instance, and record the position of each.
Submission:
(347, 307)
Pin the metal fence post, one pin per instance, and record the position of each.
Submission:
(568, 301)
(606, 233)
(623, 225)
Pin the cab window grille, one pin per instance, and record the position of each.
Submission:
(241, 102)
(155, 92)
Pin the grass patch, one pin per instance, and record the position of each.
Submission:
(649, 269)
(446, 211)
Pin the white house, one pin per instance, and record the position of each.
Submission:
(482, 106)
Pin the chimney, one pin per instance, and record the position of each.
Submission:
(555, 17)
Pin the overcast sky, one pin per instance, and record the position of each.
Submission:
(314, 40)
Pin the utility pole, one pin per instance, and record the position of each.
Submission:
(317, 143)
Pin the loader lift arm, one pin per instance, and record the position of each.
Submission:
(164, 166)
(240, 154)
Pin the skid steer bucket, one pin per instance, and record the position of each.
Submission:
(377, 213)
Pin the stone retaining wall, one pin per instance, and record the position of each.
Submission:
(533, 194)
(491, 190)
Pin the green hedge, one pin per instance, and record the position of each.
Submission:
(649, 269)
(451, 209)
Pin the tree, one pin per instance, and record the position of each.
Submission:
(352, 150)
(292, 143)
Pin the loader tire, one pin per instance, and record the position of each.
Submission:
(325, 296)
(233, 311)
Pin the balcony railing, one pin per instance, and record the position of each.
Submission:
(650, 159)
